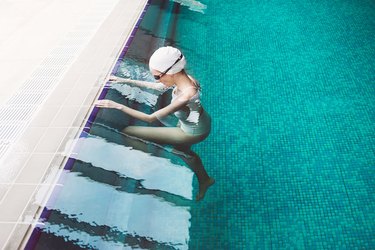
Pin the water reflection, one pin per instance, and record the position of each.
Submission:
(136, 94)
(98, 205)
(131, 67)
(118, 197)
(193, 5)
(101, 236)
(153, 172)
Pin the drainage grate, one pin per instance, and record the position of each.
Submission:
(17, 113)
(38, 84)
(45, 71)
(11, 114)
(9, 132)
(26, 99)
(57, 60)
(3, 148)
(66, 51)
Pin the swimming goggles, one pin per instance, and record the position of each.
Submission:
(157, 77)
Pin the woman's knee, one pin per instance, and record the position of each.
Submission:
(127, 130)
(132, 130)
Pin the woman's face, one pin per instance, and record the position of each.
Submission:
(165, 79)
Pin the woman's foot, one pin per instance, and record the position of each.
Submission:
(203, 187)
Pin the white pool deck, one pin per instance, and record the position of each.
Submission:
(55, 57)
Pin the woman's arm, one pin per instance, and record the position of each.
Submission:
(151, 85)
(132, 112)
(170, 109)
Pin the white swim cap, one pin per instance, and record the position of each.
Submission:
(165, 57)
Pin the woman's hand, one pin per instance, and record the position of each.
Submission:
(108, 104)
(132, 112)
(113, 78)
(116, 79)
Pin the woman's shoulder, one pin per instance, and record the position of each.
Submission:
(192, 93)
(187, 93)
(195, 81)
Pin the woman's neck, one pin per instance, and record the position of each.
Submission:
(182, 81)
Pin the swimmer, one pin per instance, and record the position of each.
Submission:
(167, 64)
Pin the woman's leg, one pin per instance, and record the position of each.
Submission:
(182, 142)
(163, 135)
(193, 160)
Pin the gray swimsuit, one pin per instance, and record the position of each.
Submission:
(193, 119)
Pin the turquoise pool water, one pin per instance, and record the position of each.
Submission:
(290, 87)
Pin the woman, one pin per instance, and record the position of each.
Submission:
(167, 66)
